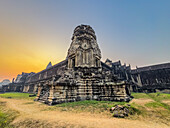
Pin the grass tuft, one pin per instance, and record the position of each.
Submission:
(140, 95)
(6, 116)
(158, 98)
(153, 105)
(16, 95)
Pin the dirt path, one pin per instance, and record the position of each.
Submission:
(31, 114)
(141, 101)
(166, 101)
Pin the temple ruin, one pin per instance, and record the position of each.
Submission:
(155, 78)
(81, 76)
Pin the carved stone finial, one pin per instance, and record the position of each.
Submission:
(84, 50)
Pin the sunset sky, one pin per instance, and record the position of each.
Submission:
(35, 32)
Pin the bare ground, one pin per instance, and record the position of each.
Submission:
(32, 115)
(141, 101)
(166, 101)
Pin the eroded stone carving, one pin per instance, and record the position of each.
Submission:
(82, 76)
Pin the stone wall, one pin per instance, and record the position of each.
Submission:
(152, 78)
(69, 93)
(81, 76)
(12, 87)
(18, 84)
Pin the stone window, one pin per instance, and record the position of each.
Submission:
(73, 62)
(97, 62)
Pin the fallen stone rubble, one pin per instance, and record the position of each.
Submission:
(120, 111)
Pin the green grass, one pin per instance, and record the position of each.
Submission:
(88, 103)
(157, 97)
(91, 106)
(17, 95)
(154, 105)
(156, 112)
(136, 110)
(5, 120)
(152, 109)
(6, 116)
(140, 95)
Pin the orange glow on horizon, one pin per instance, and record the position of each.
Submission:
(20, 53)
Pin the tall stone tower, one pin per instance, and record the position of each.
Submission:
(81, 76)
(84, 51)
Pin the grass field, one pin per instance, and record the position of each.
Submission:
(91, 106)
(6, 116)
(150, 105)
(17, 95)
(144, 106)
(157, 98)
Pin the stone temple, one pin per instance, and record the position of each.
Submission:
(81, 76)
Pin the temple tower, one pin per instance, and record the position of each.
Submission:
(84, 51)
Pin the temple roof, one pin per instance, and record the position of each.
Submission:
(152, 67)
(46, 73)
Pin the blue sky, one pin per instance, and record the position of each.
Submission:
(133, 31)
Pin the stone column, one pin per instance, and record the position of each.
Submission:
(39, 92)
(69, 63)
(52, 89)
(139, 80)
(28, 87)
(24, 88)
(124, 90)
(76, 60)
(51, 96)
(35, 88)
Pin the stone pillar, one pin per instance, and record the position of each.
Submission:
(24, 88)
(69, 63)
(124, 90)
(28, 87)
(51, 95)
(139, 80)
(88, 90)
(39, 92)
(76, 60)
(35, 88)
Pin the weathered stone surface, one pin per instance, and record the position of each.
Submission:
(22, 77)
(155, 78)
(49, 65)
(119, 111)
(18, 84)
(4, 82)
(81, 76)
